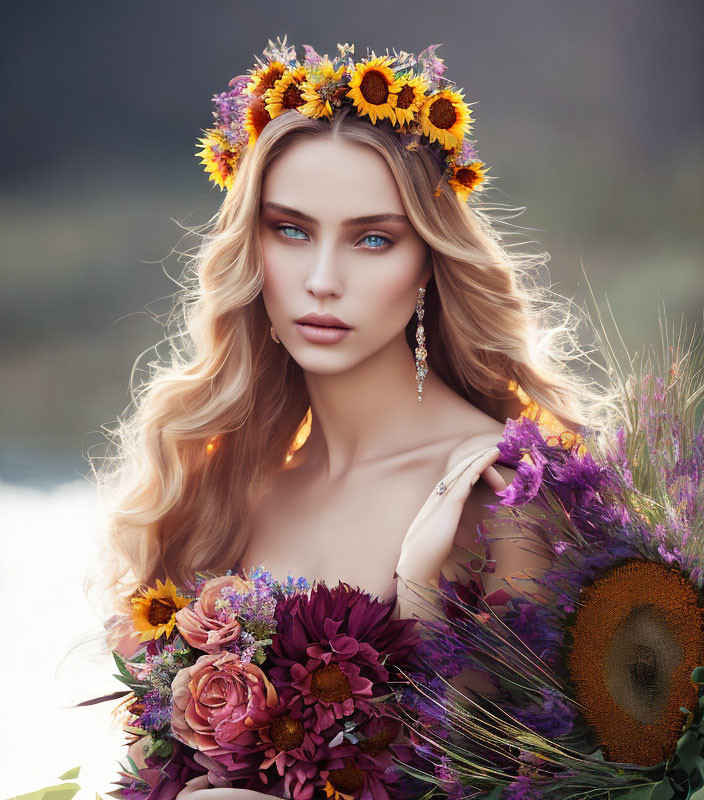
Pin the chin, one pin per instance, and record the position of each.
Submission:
(325, 361)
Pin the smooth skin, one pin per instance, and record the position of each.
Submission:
(342, 506)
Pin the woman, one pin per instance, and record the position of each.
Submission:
(335, 243)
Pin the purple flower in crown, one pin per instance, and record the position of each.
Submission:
(468, 152)
(311, 56)
(433, 66)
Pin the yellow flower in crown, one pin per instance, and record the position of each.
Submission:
(287, 92)
(256, 116)
(264, 78)
(220, 158)
(410, 97)
(445, 117)
(373, 88)
(320, 88)
(154, 609)
(467, 178)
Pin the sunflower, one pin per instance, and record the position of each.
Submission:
(445, 117)
(323, 84)
(256, 117)
(410, 98)
(286, 92)
(636, 639)
(373, 88)
(467, 178)
(154, 609)
(264, 78)
(220, 157)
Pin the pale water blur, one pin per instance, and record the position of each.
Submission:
(48, 536)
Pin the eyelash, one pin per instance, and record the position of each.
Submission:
(377, 235)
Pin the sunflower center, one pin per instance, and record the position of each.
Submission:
(377, 743)
(374, 88)
(348, 780)
(291, 97)
(330, 683)
(160, 611)
(286, 733)
(405, 97)
(442, 113)
(268, 79)
(466, 176)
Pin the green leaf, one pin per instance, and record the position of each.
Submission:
(133, 765)
(62, 791)
(121, 665)
(72, 773)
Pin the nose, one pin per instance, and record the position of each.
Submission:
(323, 276)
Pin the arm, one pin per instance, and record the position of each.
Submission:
(520, 556)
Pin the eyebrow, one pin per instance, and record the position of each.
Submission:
(346, 222)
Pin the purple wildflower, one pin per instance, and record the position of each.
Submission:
(549, 716)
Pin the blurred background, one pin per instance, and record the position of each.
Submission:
(590, 115)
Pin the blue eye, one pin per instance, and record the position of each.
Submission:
(377, 236)
(291, 228)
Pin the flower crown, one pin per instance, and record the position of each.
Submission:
(409, 91)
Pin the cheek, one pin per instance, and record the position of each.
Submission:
(279, 274)
(391, 290)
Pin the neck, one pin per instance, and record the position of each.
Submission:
(368, 411)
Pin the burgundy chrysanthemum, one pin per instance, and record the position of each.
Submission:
(332, 647)
(368, 771)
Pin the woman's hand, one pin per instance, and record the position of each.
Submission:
(200, 789)
(430, 540)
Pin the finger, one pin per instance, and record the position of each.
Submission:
(200, 782)
(192, 786)
(494, 478)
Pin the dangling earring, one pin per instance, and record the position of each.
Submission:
(421, 352)
(274, 336)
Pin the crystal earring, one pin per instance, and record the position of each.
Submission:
(421, 352)
(274, 336)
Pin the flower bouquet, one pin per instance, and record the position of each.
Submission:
(596, 678)
(280, 688)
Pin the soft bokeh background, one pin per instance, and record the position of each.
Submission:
(590, 115)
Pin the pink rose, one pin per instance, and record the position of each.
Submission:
(217, 699)
(200, 626)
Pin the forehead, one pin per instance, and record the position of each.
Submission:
(332, 179)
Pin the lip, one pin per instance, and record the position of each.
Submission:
(322, 334)
(322, 320)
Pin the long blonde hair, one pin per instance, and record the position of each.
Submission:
(175, 505)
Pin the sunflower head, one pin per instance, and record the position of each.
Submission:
(633, 646)
(446, 118)
(373, 88)
(264, 78)
(467, 178)
(410, 97)
(154, 609)
(220, 157)
(286, 92)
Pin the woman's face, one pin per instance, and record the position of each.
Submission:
(320, 257)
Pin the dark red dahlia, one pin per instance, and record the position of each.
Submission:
(334, 647)
(316, 617)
